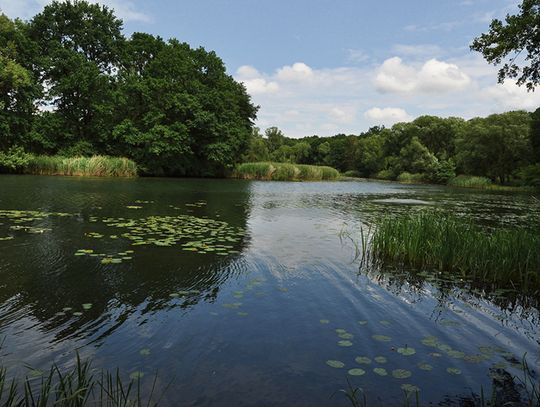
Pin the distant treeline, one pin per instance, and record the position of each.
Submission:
(502, 147)
(71, 84)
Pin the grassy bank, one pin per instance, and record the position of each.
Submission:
(447, 243)
(19, 162)
(270, 171)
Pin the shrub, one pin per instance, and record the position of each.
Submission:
(15, 160)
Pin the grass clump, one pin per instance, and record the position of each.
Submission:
(408, 178)
(270, 171)
(469, 181)
(79, 386)
(95, 166)
(451, 244)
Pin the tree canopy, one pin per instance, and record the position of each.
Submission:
(73, 84)
(516, 41)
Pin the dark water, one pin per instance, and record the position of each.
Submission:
(250, 318)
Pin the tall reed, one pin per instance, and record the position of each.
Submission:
(448, 243)
(96, 166)
(270, 171)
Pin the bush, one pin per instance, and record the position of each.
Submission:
(408, 178)
(284, 172)
(470, 181)
(385, 175)
(15, 160)
(353, 174)
(531, 175)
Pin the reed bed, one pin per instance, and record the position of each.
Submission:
(447, 243)
(270, 171)
(96, 166)
(469, 181)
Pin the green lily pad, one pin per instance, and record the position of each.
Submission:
(382, 338)
(385, 323)
(380, 371)
(406, 351)
(435, 355)
(335, 364)
(401, 374)
(410, 388)
(346, 336)
(430, 341)
(453, 371)
(341, 331)
(243, 314)
(345, 344)
(425, 366)
(362, 322)
(356, 372)
(324, 321)
(381, 359)
(77, 314)
(136, 375)
(362, 360)
(456, 354)
(87, 306)
(144, 352)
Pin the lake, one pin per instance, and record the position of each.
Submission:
(239, 293)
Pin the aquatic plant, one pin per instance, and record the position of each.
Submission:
(270, 171)
(78, 387)
(96, 166)
(430, 240)
(470, 181)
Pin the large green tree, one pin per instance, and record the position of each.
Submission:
(514, 43)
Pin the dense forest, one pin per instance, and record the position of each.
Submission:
(502, 147)
(72, 84)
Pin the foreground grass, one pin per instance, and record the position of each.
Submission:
(96, 166)
(447, 243)
(270, 171)
(79, 387)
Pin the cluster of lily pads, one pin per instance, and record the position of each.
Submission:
(345, 339)
(70, 311)
(107, 258)
(19, 221)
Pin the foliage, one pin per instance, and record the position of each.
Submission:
(95, 166)
(516, 36)
(467, 181)
(171, 108)
(284, 172)
(452, 244)
(408, 178)
(14, 160)
(531, 175)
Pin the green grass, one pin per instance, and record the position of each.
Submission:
(470, 181)
(408, 178)
(446, 243)
(96, 166)
(79, 386)
(271, 171)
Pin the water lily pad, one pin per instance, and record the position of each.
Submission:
(382, 338)
(35, 373)
(77, 314)
(345, 344)
(362, 322)
(243, 314)
(356, 372)
(144, 352)
(430, 341)
(435, 355)
(425, 366)
(385, 323)
(456, 354)
(362, 360)
(335, 364)
(341, 331)
(87, 306)
(381, 359)
(346, 336)
(406, 351)
(401, 374)
(380, 371)
(453, 371)
(324, 321)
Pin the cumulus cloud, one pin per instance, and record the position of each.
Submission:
(433, 76)
(509, 96)
(298, 72)
(254, 82)
(25, 9)
(387, 115)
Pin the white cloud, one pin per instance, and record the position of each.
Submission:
(433, 76)
(254, 81)
(429, 50)
(509, 96)
(298, 72)
(387, 116)
(26, 9)
(357, 56)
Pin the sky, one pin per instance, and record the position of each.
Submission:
(323, 67)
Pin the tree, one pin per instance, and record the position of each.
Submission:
(535, 135)
(275, 138)
(516, 37)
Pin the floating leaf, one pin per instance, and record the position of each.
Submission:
(380, 359)
(144, 352)
(136, 375)
(430, 341)
(425, 366)
(382, 338)
(456, 354)
(77, 314)
(356, 372)
(385, 323)
(435, 355)
(346, 336)
(362, 322)
(335, 364)
(410, 388)
(406, 351)
(87, 306)
(345, 344)
(243, 314)
(401, 373)
(453, 371)
(362, 360)
(324, 321)
(380, 371)
(341, 331)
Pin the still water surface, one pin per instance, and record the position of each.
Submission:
(232, 291)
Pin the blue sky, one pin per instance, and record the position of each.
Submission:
(330, 66)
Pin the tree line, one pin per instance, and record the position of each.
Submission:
(72, 84)
(503, 147)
